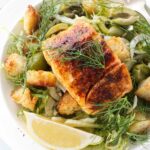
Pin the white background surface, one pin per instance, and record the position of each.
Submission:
(4, 129)
(9, 131)
(3, 145)
(3, 3)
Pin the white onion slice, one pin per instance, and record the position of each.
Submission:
(65, 19)
(135, 102)
(80, 124)
(60, 86)
(53, 93)
(135, 41)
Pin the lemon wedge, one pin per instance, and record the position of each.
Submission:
(58, 136)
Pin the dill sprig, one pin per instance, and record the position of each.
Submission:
(33, 46)
(137, 137)
(47, 10)
(115, 121)
(89, 53)
(43, 97)
(40, 93)
(16, 44)
(114, 110)
(143, 106)
(142, 26)
(17, 80)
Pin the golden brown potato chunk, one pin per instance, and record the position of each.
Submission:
(15, 64)
(119, 47)
(140, 127)
(144, 90)
(31, 20)
(67, 105)
(23, 96)
(40, 78)
(141, 124)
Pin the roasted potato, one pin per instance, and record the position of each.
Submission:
(120, 47)
(140, 116)
(67, 105)
(40, 78)
(143, 90)
(31, 20)
(141, 123)
(140, 126)
(23, 96)
(15, 64)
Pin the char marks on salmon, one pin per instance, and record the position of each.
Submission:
(88, 86)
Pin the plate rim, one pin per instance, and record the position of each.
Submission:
(4, 37)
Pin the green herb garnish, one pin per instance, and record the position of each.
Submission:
(17, 80)
(16, 44)
(143, 106)
(142, 26)
(47, 11)
(137, 137)
(43, 96)
(115, 121)
(90, 54)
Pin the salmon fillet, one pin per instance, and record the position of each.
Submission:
(115, 84)
(81, 82)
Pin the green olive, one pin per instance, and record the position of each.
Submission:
(37, 62)
(130, 63)
(57, 28)
(115, 31)
(129, 35)
(124, 16)
(103, 27)
(112, 31)
(141, 72)
(125, 21)
(69, 15)
(123, 13)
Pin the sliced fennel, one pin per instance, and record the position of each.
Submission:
(135, 41)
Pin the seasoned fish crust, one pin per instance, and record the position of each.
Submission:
(77, 80)
(80, 32)
(115, 84)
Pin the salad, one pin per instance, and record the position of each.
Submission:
(84, 64)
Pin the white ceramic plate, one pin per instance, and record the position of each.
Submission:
(12, 130)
